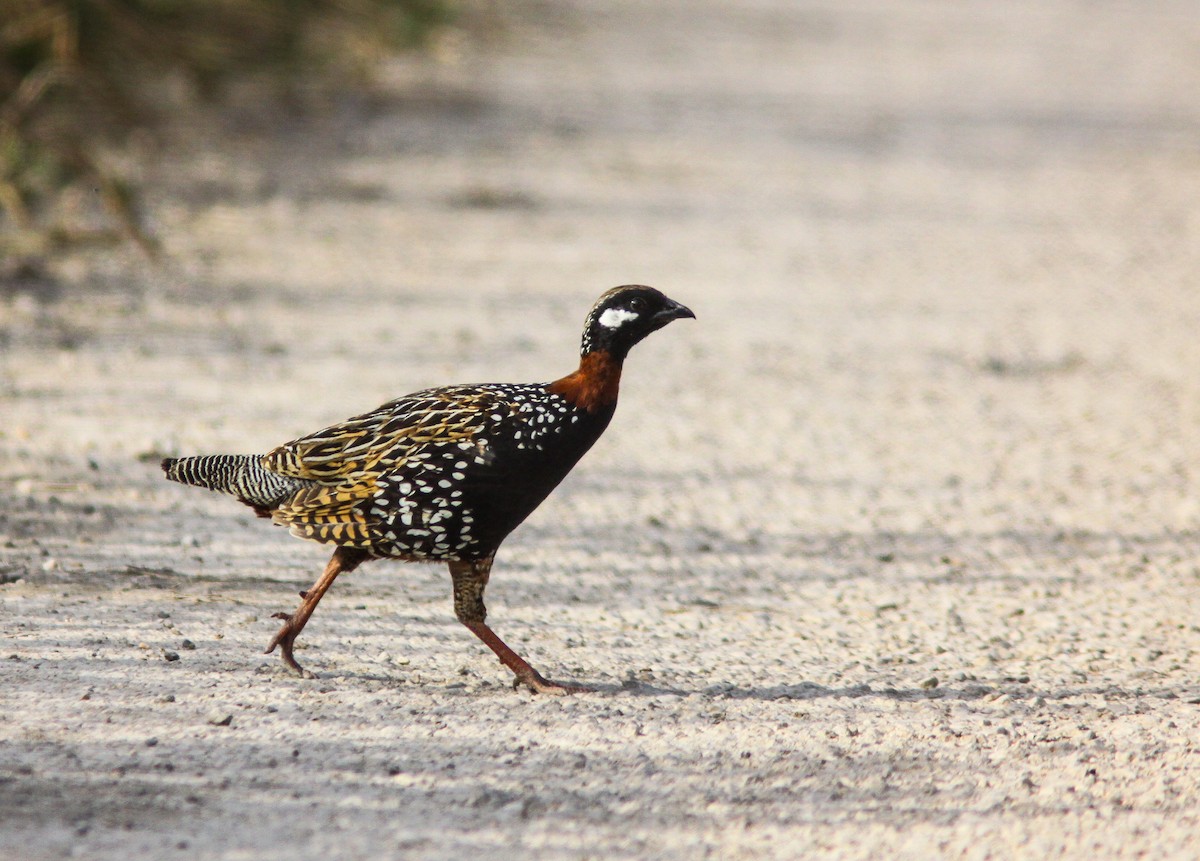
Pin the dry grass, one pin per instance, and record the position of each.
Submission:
(77, 76)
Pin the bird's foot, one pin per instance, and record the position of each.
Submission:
(540, 685)
(284, 640)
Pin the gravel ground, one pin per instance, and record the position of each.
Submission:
(891, 553)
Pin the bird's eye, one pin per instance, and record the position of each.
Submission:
(637, 304)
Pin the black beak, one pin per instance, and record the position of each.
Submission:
(674, 311)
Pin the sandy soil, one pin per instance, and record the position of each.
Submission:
(892, 553)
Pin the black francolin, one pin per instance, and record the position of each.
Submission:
(443, 474)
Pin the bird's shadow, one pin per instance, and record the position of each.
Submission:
(968, 691)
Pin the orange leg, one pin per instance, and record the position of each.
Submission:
(470, 579)
(344, 559)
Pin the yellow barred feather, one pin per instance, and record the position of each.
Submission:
(347, 460)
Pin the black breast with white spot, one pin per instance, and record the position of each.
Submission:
(455, 496)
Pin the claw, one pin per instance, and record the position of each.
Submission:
(284, 639)
(344, 559)
(540, 685)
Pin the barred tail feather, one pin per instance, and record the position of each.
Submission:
(239, 475)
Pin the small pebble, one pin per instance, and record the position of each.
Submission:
(929, 683)
(219, 718)
(187, 645)
(169, 656)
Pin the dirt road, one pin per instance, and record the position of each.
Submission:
(893, 553)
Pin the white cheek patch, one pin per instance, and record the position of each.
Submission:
(614, 317)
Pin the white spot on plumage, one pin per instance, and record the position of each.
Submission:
(612, 318)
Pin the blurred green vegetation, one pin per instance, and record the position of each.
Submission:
(77, 76)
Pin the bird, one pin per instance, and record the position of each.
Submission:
(440, 475)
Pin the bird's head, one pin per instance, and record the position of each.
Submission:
(624, 315)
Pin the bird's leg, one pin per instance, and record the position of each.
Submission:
(470, 579)
(344, 559)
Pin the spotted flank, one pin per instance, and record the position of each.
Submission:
(411, 478)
